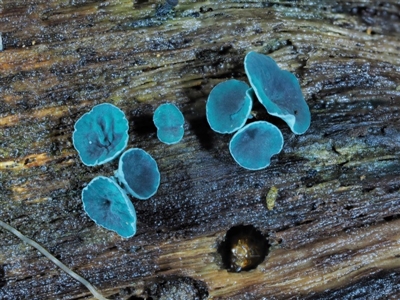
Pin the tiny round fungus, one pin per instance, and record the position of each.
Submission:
(101, 134)
(253, 146)
(278, 90)
(108, 205)
(228, 106)
(138, 173)
(169, 122)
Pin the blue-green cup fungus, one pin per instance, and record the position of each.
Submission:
(228, 106)
(253, 146)
(101, 134)
(169, 122)
(278, 90)
(109, 206)
(138, 173)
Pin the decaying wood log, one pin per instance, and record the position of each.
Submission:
(334, 231)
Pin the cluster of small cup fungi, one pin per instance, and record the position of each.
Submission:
(229, 107)
(101, 135)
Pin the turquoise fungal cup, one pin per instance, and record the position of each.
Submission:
(109, 206)
(278, 90)
(228, 106)
(138, 173)
(169, 122)
(253, 146)
(101, 134)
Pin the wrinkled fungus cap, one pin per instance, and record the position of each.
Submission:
(138, 173)
(253, 146)
(228, 106)
(101, 134)
(109, 206)
(169, 122)
(278, 90)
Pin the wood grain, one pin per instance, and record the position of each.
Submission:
(334, 229)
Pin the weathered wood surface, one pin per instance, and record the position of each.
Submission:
(334, 231)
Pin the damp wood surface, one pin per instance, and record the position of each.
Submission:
(334, 226)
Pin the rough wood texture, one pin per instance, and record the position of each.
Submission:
(334, 230)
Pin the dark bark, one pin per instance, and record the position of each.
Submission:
(334, 230)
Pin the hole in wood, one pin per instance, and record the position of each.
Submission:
(243, 249)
